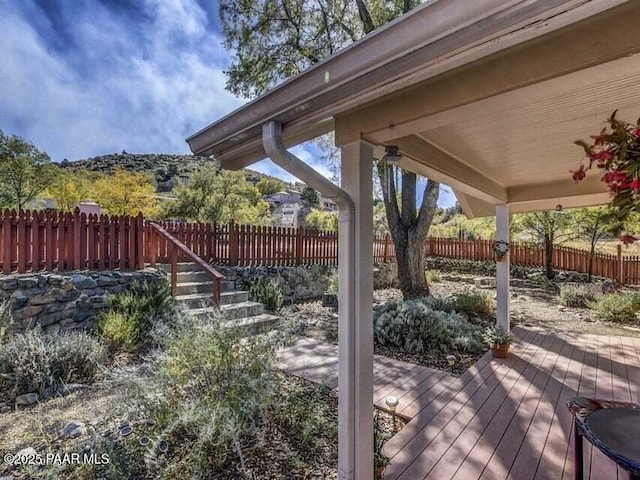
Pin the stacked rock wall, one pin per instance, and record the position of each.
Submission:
(65, 301)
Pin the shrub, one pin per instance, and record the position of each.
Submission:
(433, 276)
(34, 361)
(577, 295)
(120, 331)
(444, 304)
(267, 292)
(617, 307)
(477, 303)
(209, 392)
(413, 326)
(132, 314)
(6, 321)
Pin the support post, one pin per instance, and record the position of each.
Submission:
(502, 269)
(355, 327)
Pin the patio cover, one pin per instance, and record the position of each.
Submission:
(485, 96)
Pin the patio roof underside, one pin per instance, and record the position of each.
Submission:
(498, 129)
(501, 130)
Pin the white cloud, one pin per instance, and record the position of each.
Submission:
(143, 91)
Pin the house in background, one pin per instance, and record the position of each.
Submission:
(285, 208)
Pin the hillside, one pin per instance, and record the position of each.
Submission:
(167, 170)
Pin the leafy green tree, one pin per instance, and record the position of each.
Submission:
(126, 193)
(550, 228)
(25, 172)
(69, 189)
(276, 39)
(218, 196)
(319, 220)
(593, 224)
(269, 186)
(309, 197)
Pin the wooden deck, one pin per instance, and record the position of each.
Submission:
(318, 361)
(502, 419)
(506, 419)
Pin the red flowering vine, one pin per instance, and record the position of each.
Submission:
(616, 151)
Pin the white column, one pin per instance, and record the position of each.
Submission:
(502, 269)
(355, 327)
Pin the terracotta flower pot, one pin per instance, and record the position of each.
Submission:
(379, 472)
(500, 351)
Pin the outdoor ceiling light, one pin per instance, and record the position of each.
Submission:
(391, 154)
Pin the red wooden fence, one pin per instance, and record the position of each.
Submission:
(38, 240)
(248, 245)
(33, 241)
(623, 268)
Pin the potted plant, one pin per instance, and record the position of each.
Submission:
(498, 341)
(380, 461)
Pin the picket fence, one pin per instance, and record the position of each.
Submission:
(49, 240)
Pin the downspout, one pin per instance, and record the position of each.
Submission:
(275, 149)
(348, 457)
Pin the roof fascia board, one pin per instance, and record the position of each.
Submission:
(448, 24)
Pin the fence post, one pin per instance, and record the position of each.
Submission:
(139, 236)
(299, 249)
(234, 245)
(620, 264)
(385, 252)
(76, 239)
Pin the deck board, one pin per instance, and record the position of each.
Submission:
(502, 419)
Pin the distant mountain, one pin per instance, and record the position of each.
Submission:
(168, 170)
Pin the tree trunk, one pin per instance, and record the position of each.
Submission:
(411, 268)
(409, 227)
(548, 244)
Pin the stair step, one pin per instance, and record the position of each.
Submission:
(232, 311)
(240, 310)
(194, 301)
(182, 267)
(252, 325)
(187, 288)
(197, 299)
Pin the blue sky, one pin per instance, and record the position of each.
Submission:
(81, 78)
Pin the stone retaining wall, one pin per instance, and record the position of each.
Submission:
(303, 283)
(65, 301)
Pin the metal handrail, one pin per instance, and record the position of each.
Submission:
(177, 245)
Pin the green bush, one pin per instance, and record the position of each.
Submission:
(433, 276)
(617, 307)
(132, 314)
(120, 331)
(444, 304)
(477, 303)
(578, 295)
(34, 361)
(6, 321)
(208, 391)
(414, 327)
(267, 292)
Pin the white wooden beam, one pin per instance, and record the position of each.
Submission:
(503, 220)
(355, 323)
(427, 159)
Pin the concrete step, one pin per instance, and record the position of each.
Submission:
(252, 325)
(198, 300)
(182, 267)
(187, 288)
(194, 301)
(231, 311)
